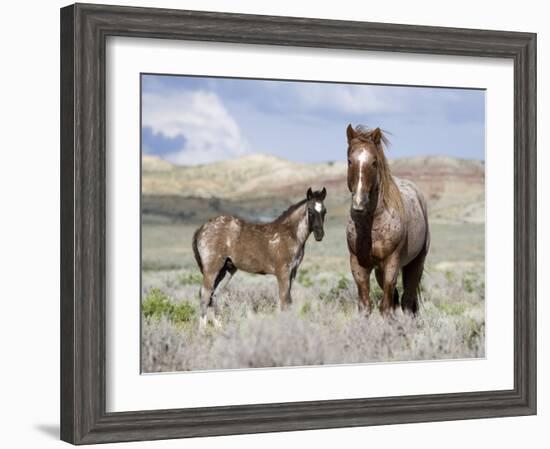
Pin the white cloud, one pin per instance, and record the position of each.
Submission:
(347, 99)
(210, 132)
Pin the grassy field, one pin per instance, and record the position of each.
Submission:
(323, 326)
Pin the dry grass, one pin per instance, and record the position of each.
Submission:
(323, 326)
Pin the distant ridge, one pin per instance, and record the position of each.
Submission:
(254, 173)
(451, 165)
(151, 163)
(455, 188)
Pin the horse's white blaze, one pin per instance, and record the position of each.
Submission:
(362, 158)
(318, 206)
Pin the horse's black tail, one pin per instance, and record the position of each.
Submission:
(196, 249)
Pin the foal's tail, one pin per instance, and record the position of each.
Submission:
(196, 249)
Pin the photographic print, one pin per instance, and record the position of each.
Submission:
(310, 206)
(301, 223)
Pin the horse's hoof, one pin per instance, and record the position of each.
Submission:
(387, 313)
(203, 321)
(364, 310)
(217, 323)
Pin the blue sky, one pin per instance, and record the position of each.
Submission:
(195, 120)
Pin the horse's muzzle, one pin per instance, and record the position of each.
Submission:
(319, 235)
(359, 207)
(358, 203)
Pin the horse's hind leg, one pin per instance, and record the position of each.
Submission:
(210, 275)
(380, 280)
(222, 279)
(412, 275)
(206, 295)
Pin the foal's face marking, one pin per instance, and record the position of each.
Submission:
(316, 216)
(316, 212)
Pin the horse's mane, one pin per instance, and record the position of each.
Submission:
(287, 213)
(391, 197)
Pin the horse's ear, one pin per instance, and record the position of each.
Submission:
(309, 194)
(376, 136)
(323, 194)
(350, 132)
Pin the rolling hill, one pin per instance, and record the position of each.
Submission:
(260, 185)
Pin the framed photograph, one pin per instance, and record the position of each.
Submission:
(274, 223)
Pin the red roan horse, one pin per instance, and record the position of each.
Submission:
(388, 224)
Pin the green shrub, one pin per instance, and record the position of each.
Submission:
(476, 336)
(472, 283)
(336, 292)
(305, 309)
(182, 313)
(303, 278)
(158, 304)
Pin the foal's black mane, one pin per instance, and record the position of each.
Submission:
(289, 211)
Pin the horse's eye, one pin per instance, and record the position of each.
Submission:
(349, 163)
(374, 164)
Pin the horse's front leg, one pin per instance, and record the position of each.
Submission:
(284, 280)
(361, 275)
(391, 270)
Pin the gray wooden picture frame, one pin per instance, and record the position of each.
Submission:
(84, 29)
